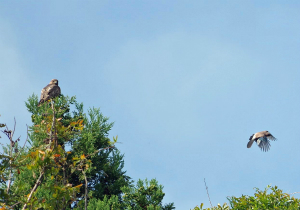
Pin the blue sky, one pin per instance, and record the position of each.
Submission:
(185, 83)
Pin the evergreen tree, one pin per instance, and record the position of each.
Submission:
(70, 158)
(106, 175)
(146, 195)
(70, 163)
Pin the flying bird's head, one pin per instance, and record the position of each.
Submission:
(54, 81)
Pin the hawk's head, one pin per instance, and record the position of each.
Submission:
(54, 82)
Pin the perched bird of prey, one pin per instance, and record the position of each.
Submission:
(262, 139)
(50, 91)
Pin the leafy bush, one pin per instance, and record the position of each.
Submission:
(276, 199)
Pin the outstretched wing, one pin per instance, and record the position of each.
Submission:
(263, 143)
(270, 137)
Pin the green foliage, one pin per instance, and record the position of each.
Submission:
(106, 204)
(70, 164)
(218, 207)
(47, 176)
(106, 173)
(276, 199)
(44, 168)
(145, 195)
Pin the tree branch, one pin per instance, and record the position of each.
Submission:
(10, 135)
(37, 183)
(15, 204)
(207, 193)
(86, 190)
(23, 145)
(53, 122)
(100, 150)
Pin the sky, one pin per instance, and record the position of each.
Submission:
(185, 83)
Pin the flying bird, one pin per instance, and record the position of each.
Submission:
(52, 90)
(262, 139)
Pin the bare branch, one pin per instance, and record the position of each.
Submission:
(14, 127)
(10, 134)
(23, 145)
(207, 193)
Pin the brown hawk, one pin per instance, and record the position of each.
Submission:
(52, 90)
(262, 139)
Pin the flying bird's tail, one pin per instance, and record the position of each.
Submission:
(250, 142)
